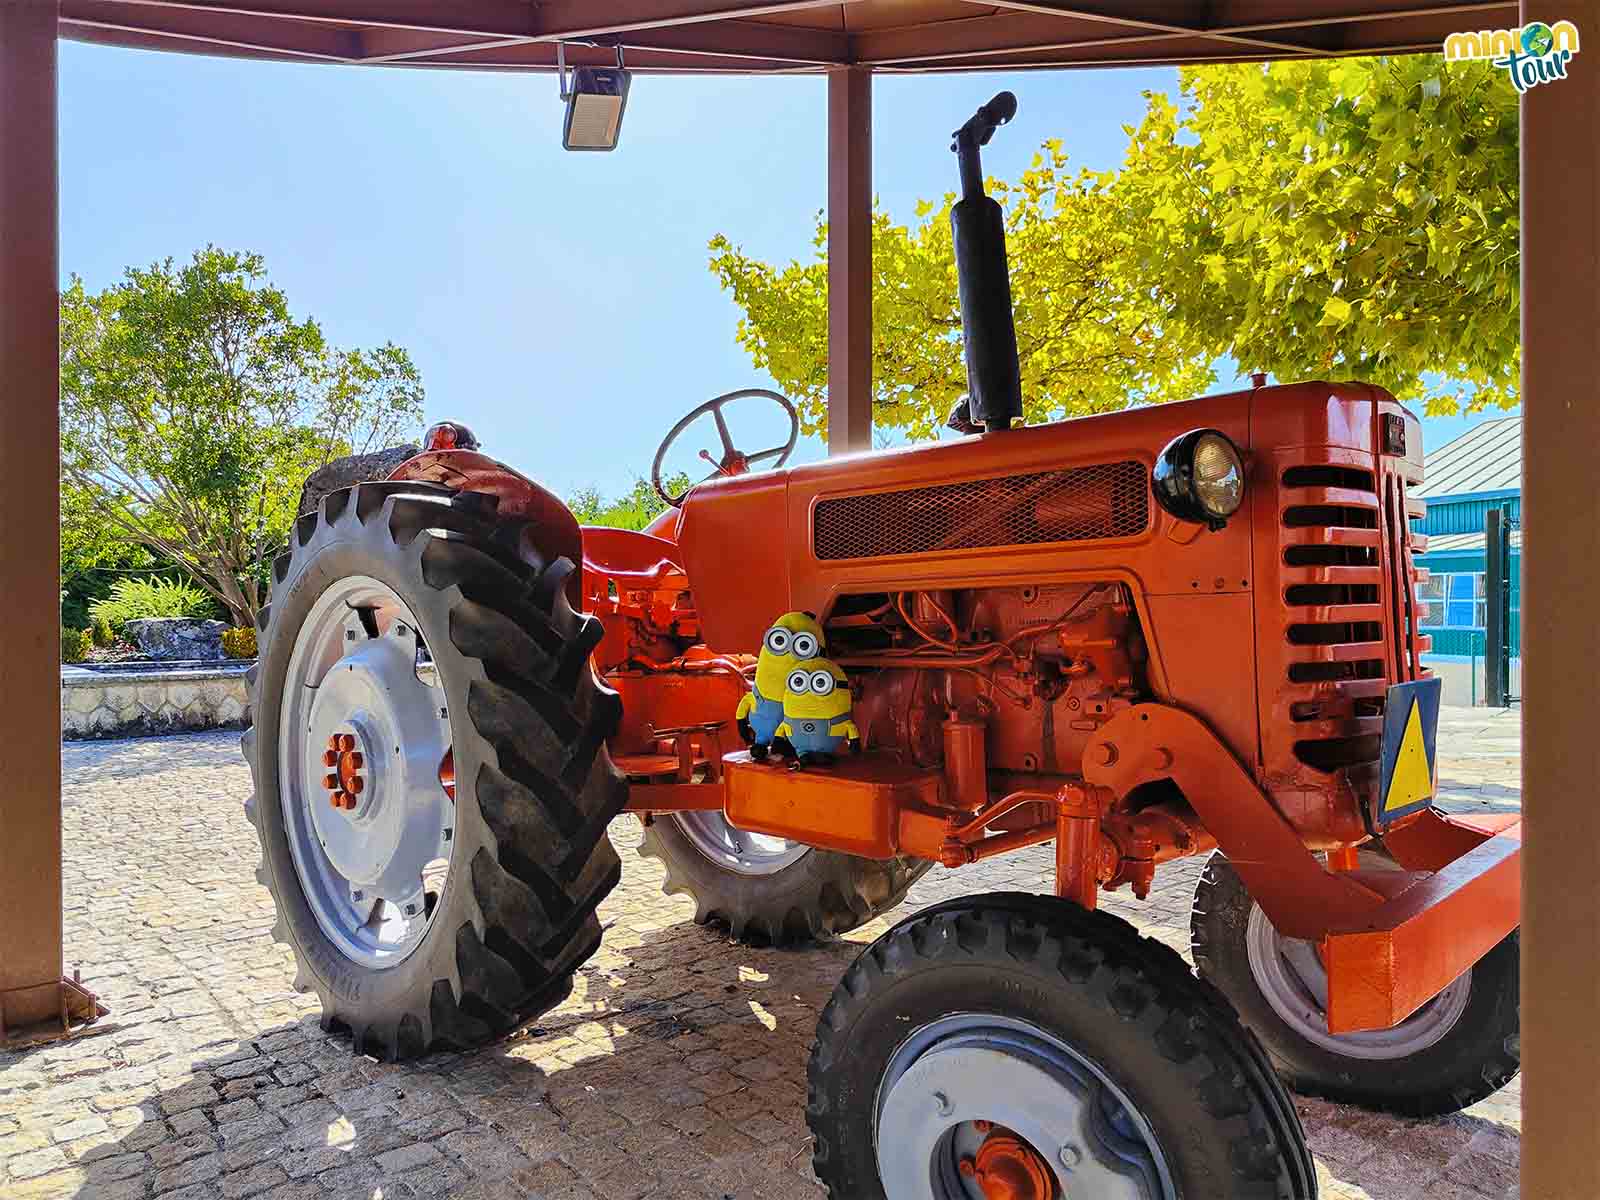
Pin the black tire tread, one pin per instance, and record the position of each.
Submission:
(854, 891)
(1472, 1074)
(548, 772)
(1107, 962)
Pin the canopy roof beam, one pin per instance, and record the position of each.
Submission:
(779, 36)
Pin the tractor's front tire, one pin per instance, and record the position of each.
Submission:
(766, 892)
(1053, 1050)
(428, 629)
(1460, 1047)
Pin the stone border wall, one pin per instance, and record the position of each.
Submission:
(144, 703)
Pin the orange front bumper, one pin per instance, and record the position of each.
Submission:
(1422, 939)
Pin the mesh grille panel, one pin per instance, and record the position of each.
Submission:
(1111, 500)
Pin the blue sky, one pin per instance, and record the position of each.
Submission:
(558, 303)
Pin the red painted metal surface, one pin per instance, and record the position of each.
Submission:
(346, 776)
(674, 797)
(853, 807)
(552, 530)
(1386, 965)
(1209, 621)
(1151, 742)
(636, 584)
(1079, 811)
(1430, 840)
(1008, 1168)
(1038, 652)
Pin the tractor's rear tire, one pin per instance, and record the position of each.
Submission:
(1026, 1017)
(777, 899)
(516, 701)
(1460, 1047)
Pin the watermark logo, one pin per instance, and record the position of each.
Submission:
(1537, 53)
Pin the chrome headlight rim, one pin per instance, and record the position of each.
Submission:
(1176, 489)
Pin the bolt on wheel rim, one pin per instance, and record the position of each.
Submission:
(736, 850)
(363, 734)
(975, 1086)
(1292, 977)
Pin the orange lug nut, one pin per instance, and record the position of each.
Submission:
(356, 785)
(354, 760)
(347, 741)
(330, 758)
(331, 782)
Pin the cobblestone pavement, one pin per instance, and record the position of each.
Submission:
(676, 1069)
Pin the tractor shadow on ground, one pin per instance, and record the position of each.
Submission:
(675, 1069)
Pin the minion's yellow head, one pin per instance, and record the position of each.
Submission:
(794, 638)
(818, 689)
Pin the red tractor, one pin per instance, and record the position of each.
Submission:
(1174, 631)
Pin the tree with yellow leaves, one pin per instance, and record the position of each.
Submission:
(1345, 219)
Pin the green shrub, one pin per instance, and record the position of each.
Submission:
(239, 642)
(632, 510)
(132, 599)
(75, 644)
(102, 633)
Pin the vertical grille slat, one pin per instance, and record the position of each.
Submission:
(1346, 559)
(1331, 560)
(1401, 581)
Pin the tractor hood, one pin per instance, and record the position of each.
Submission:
(1029, 505)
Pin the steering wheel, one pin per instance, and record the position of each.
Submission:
(733, 460)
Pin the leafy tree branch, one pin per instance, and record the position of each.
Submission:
(194, 404)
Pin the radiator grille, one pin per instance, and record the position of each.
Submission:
(1110, 500)
(1345, 569)
(1333, 558)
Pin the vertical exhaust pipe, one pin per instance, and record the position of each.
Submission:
(983, 278)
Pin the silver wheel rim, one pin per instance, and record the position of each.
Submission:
(972, 1067)
(1292, 978)
(736, 850)
(372, 874)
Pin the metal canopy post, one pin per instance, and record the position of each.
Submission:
(849, 259)
(30, 655)
(1561, 638)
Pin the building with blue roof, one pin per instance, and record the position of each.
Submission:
(1465, 478)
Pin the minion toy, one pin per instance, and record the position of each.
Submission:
(816, 715)
(794, 639)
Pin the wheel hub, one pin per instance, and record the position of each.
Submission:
(737, 850)
(366, 744)
(981, 1107)
(1007, 1168)
(346, 778)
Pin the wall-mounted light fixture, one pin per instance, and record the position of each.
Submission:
(595, 99)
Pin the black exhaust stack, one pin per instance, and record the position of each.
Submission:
(994, 380)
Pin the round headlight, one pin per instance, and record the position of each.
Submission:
(1200, 477)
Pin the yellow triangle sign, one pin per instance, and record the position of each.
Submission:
(1412, 779)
